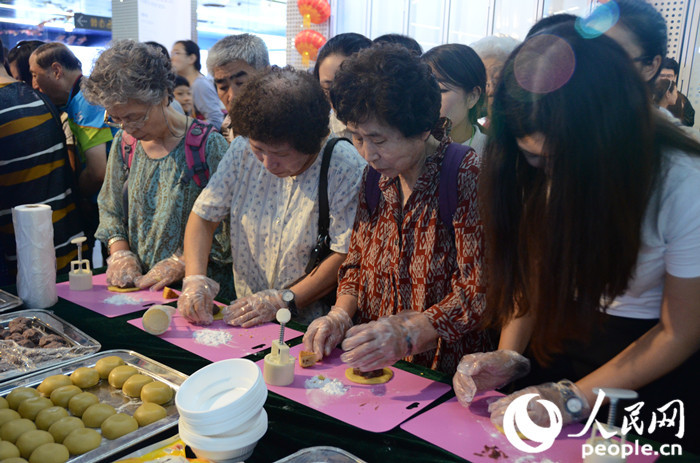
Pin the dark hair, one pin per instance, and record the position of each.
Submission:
(660, 87)
(550, 21)
(180, 81)
(160, 47)
(55, 52)
(342, 44)
(404, 40)
(459, 66)
(20, 55)
(564, 239)
(670, 63)
(647, 24)
(191, 48)
(282, 105)
(390, 83)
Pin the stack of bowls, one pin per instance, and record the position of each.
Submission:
(221, 410)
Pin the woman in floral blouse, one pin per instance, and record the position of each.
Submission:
(412, 281)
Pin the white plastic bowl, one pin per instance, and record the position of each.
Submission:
(225, 448)
(221, 396)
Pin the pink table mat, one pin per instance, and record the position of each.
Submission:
(94, 299)
(467, 432)
(375, 408)
(244, 341)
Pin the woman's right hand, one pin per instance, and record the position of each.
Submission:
(326, 332)
(196, 301)
(484, 371)
(123, 267)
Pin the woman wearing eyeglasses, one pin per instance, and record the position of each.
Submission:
(143, 221)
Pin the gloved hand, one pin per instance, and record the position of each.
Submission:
(162, 274)
(380, 343)
(558, 393)
(484, 371)
(255, 309)
(196, 302)
(123, 267)
(326, 332)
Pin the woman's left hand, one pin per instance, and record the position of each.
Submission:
(162, 274)
(557, 393)
(255, 309)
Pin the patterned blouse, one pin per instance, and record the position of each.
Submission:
(404, 258)
(159, 202)
(274, 221)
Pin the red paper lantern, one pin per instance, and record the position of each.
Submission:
(307, 43)
(314, 11)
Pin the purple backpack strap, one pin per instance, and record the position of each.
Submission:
(372, 193)
(449, 185)
(195, 152)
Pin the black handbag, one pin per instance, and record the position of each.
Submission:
(323, 241)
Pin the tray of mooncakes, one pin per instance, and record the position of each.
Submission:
(87, 409)
(31, 340)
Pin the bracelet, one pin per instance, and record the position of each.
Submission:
(112, 241)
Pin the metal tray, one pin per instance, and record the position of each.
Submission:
(321, 453)
(8, 301)
(114, 397)
(19, 361)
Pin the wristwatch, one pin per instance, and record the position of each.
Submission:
(572, 402)
(289, 299)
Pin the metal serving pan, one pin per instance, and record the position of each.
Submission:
(8, 301)
(16, 361)
(114, 397)
(321, 453)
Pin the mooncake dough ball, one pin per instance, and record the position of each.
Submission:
(85, 377)
(119, 375)
(50, 453)
(18, 394)
(95, 414)
(8, 450)
(15, 460)
(7, 414)
(11, 430)
(52, 382)
(30, 440)
(48, 416)
(82, 440)
(62, 395)
(132, 386)
(3, 403)
(118, 425)
(156, 392)
(31, 407)
(80, 402)
(61, 428)
(105, 365)
(149, 413)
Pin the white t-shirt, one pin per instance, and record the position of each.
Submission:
(478, 141)
(274, 221)
(670, 238)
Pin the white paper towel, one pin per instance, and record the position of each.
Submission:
(36, 257)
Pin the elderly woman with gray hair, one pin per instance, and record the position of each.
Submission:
(143, 222)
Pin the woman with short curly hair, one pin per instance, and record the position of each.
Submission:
(134, 83)
(268, 183)
(412, 279)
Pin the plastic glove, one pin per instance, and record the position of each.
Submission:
(484, 371)
(123, 268)
(558, 393)
(196, 302)
(162, 274)
(380, 343)
(326, 332)
(255, 309)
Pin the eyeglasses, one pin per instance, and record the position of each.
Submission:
(138, 122)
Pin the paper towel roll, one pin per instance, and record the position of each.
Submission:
(36, 256)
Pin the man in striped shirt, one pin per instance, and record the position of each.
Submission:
(34, 168)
